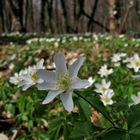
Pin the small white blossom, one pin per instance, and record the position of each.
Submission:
(56, 44)
(128, 59)
(16, 79)
(117, 64)
(91, 81)
(31, 78)
(63, 81)
(134, 62)
(116, 57)
(75, 38)
(106, 97)
(135, 99)
(104, 86)
(104, 71)
(123, 54)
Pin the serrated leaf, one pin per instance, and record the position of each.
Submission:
(81, 129)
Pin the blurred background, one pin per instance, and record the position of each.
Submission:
(70, 16)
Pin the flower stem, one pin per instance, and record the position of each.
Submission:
(113, 124)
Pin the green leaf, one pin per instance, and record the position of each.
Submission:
(66, 132)
(133, 121)
(85, 109)
(98, 105)
(114, 135)
(54, 129)
(81, 129)
(133, 118)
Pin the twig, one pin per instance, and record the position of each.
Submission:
(15, 132)
(130, 5)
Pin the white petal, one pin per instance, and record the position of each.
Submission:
(22, 83)
(129, 66)
(25, 77)
(136, 56)
(108, 84)
(77, 83)
(46, 75)
(51, 95)
(109, 93)
(67, 100)
(25, 87)
(47, 86)
(74, 68)
(60, 63)
(136, 69)
(98, 91)
(39, 65)
(134, 98)
(138, 94)
(136, 76)
(98, 86)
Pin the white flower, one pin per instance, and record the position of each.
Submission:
(128, 59)
(136, 98)
(56, 44)
(91, 81)
(117, 64)
(116, 57)
(104, 86)
(134, 62)
(104, 71)
(31, 78)
(75, 38)
(63, 81)
(106, 97)
(16, 79)
(123, 54)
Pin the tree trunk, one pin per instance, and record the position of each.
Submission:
(68, 16)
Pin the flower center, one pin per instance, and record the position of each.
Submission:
(64, 82)
(18, 80)
(106, 72)
(106, 99)
(137, 63)
(34, 76)
(104, 88)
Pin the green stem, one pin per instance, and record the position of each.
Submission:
(96, 109)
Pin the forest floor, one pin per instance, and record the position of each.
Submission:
(19, 51)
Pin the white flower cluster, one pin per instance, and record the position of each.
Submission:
(116, 58)
(63, 80)
(28, 77)
(104, 87)
(132, 62)
(60, 82)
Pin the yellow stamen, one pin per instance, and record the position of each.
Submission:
(64, 82)
(34, 76)
(106, 99)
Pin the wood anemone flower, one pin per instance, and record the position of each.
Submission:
(62, 81)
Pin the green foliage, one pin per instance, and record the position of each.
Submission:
(50, 122)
